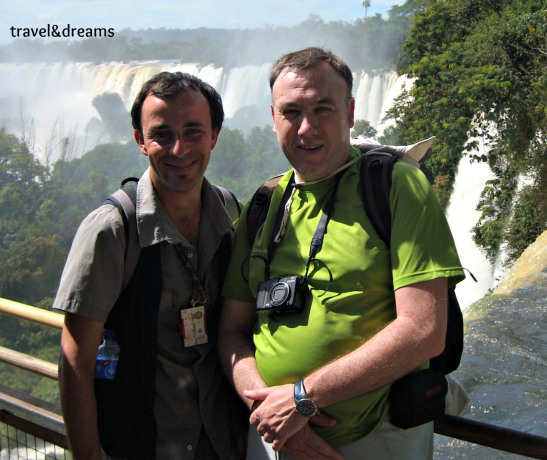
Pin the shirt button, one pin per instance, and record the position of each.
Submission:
(189, 447)
(190, 255)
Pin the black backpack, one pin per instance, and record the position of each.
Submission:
(376, 169)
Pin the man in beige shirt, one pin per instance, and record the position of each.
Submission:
(169, 398)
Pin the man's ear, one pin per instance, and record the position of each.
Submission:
(214, 138)
(140, 141)
(273, 118)
(351, 112)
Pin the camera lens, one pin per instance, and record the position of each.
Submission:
(279, 294)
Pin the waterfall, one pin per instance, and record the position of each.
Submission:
(375, 94)
(244, 87)
(62, 93)
(462, 215)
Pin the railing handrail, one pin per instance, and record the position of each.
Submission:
(29, 363)
(32, 314)
(496, 437)
(46, 424)
(32, 412)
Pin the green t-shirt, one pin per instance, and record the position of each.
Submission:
(341, 315)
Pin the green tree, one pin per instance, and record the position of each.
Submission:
(242, 163)
(365, 128)
(480, 71)
(366, 5)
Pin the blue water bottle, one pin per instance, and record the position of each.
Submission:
(107, 356)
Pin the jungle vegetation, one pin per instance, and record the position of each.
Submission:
(480, 70)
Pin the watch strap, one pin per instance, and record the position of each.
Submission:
(304, 405)
(299, 390)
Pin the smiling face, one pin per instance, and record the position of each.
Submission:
(177, 138)
(312, 119)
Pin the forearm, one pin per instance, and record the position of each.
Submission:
(80, 339)
(408, 341)
(389, 355)
(239, 365)
(79, 412)
(236, 349)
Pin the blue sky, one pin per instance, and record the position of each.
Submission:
(177, 14)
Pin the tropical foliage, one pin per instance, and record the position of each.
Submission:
(480, 70)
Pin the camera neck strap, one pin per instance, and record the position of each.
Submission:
(281, 220)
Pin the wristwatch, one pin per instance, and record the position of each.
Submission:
(304, 404)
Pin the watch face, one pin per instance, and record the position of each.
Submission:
(306, 407)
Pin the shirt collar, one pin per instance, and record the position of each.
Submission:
(155, 226)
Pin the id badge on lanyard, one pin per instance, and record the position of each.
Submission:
(193, 326)
(193, 321)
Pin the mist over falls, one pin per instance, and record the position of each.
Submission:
(57, 99)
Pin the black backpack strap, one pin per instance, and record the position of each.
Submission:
(230, 202)
(258, 209)
(376, 169)
(449, 360)
(125, 199)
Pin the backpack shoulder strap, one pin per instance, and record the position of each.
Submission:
(376, 169)
(125, 199)
(230, 202)
(258, 209)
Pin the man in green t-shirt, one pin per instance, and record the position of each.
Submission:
(366, 314)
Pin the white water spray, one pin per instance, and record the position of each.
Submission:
(49, 92)
(462, 215)
(375, 94)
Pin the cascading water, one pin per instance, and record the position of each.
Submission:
(462, 216)
(246, 87)
(67, 91)
(375, 94)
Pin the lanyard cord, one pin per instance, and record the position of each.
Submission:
(282, 218)
(202, 297)
(319, 235)
(281, 224)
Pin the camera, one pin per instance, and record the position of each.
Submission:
(281, 295)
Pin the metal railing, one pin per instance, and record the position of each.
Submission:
(30, 428)
(48, 425)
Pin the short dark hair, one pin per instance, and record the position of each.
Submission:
(310, 58)
(169, 84)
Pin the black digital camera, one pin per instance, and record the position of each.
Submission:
(281, 295)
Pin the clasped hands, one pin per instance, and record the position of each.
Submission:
(277, 421)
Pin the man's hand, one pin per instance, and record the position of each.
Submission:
(307, 445)
(276, 419)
